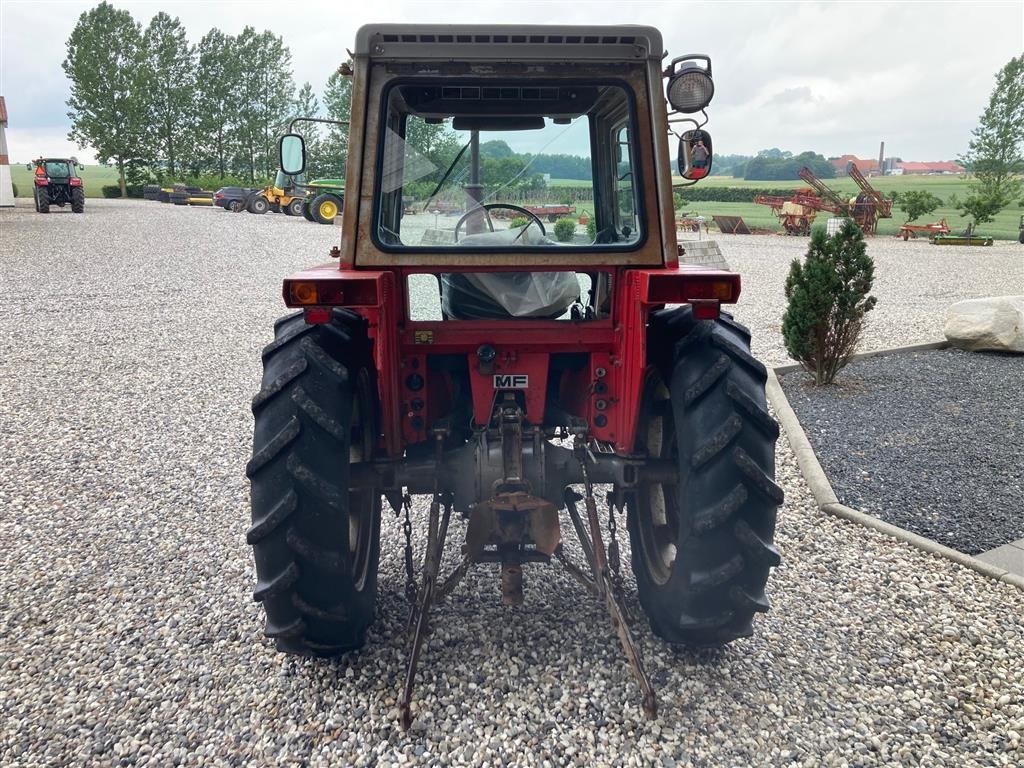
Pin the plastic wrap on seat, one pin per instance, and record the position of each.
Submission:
(503, 295)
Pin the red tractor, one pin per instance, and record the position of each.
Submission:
(56, 182)
(506, 373)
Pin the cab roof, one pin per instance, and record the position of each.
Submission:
(508, 42)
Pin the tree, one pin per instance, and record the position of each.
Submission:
(217, 98)
(994, 155)
(827, 300)
(982, 205)
(171, 73)
(305, 102)
(264, 98)
(106, 64)
(495, 148)
(916, 203)
(774, 164)
(338, 104)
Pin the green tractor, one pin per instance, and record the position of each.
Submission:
(325, 199)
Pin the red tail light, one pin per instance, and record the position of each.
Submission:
(331, 293)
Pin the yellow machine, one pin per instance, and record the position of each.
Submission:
(286, 194)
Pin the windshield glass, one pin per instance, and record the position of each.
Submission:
(58, 169)
(518, 165)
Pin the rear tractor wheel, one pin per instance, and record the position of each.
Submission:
(316, 542)
(702, 547)
(42, 200)
(78, 200)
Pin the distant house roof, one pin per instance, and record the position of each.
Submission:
(938, 166)
(3, 111)
(840, 163)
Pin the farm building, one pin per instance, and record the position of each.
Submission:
(6, 190)
(894, 166)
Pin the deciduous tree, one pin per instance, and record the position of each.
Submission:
(172, 97)
(217, 99)
(915, 203)
(106, 64)
(338, 104)
(996, 153)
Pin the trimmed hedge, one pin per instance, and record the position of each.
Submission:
(730, 194)
(114, 190)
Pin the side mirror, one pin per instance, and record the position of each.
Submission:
(694, 154)
(291, 153)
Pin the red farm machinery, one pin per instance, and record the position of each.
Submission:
(796, 213)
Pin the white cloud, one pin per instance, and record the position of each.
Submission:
(24, 145)
(914, 74)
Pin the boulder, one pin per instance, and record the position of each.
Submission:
(995, 323)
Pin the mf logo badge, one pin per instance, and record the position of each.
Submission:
(511, 381)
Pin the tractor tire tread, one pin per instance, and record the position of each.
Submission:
(268, 522)
(300, 500)
(724, 550)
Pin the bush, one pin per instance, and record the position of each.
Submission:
(114, 190)
(827, 299)
(699, 194)
(916, 203)
(592, 229)
(565, 229)
(518, 221)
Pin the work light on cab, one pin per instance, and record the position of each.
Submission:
(690, 87)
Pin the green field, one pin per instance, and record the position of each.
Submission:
(1005, 227)
(93, 178)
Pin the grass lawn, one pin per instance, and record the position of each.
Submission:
(93, 178)
(1005, 227)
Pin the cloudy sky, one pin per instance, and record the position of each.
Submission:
(833, 77)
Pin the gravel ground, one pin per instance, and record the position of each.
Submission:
(127, 360)
(930, 441)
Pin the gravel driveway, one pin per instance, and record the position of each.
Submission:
(128, 355)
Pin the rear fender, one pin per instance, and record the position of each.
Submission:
(374, 295)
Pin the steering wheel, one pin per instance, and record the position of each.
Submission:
(486, 209)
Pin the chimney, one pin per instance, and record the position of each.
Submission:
(881, 159)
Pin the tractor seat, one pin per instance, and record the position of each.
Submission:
(508, 295)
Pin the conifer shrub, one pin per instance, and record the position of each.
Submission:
(827, 298)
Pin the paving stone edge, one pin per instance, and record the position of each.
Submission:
(825, 496)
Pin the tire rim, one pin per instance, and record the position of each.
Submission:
(328, 210)
(658, 508)
(362, 503)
